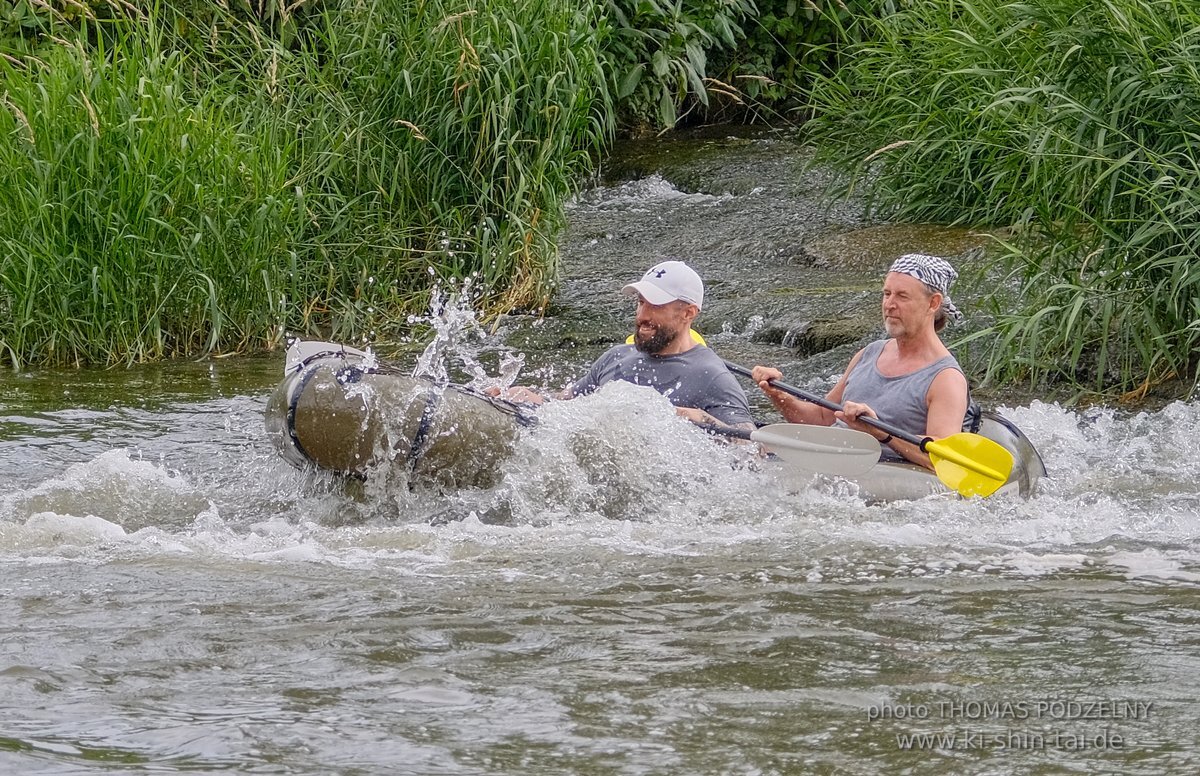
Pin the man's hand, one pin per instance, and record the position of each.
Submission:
(699, 417)
(851, 411)
(518, 393)
(764, 374)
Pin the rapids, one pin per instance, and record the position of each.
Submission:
(631, 599)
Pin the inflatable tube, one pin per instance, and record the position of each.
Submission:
(338, 411)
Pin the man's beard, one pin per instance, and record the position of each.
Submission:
(653, 343)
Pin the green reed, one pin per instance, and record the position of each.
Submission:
(1073, 122)
(475, 122)
(134, 221)
(165, 194)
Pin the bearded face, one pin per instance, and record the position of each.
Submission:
(659, 325)
(654, 340)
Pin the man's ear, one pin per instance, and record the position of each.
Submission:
(690, 311)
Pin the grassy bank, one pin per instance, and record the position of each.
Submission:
(182, 176)
(166, 193)
(1072, 122)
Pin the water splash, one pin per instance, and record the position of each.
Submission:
(729, 332)
(617, 469)
(460, 339)
(620, 453)
(122, 490)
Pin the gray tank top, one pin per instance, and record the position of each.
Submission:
(896, 400)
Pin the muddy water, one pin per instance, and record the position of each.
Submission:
(177, 599)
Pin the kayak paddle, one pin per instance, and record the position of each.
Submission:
(971, 464)
(825, 449)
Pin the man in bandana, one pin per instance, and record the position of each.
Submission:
(909, 380)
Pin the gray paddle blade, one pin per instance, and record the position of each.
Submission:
(824, 449)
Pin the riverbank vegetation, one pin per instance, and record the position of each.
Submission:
(1072, 122)
(183, 176)
(169, 187)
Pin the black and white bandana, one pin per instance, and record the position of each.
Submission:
(933, 272)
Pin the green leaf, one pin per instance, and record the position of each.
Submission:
(696, 57)
(660, 62)
(666, 110)
(631, 80)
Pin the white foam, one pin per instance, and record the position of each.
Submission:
(617, 475)
(125, 491)
(641, 196)
(68, 528)
(1031, 564)
(1157, 564)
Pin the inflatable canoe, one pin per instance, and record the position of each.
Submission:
(338, 410)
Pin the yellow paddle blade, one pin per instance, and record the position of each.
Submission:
(971, 464)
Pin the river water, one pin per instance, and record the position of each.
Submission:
(179, 600)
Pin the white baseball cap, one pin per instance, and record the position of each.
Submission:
(668, 281)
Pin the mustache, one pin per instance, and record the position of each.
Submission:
(653, 341)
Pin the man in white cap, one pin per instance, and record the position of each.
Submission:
(664, 355)
(909, 380)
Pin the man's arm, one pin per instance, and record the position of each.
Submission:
(947, 401)
(795, 409)
(589, 382)
(702, 418)
(523, 395)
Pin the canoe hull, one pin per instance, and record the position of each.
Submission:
(335, 412)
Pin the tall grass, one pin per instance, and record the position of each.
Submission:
(164, 195)
(135, 220)
(476, 122)
(1074, 122)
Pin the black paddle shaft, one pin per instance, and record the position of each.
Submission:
(821, 401)
(723, 430)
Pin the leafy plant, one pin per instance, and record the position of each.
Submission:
(659, 51)
(786, 44)
(1071, 121)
